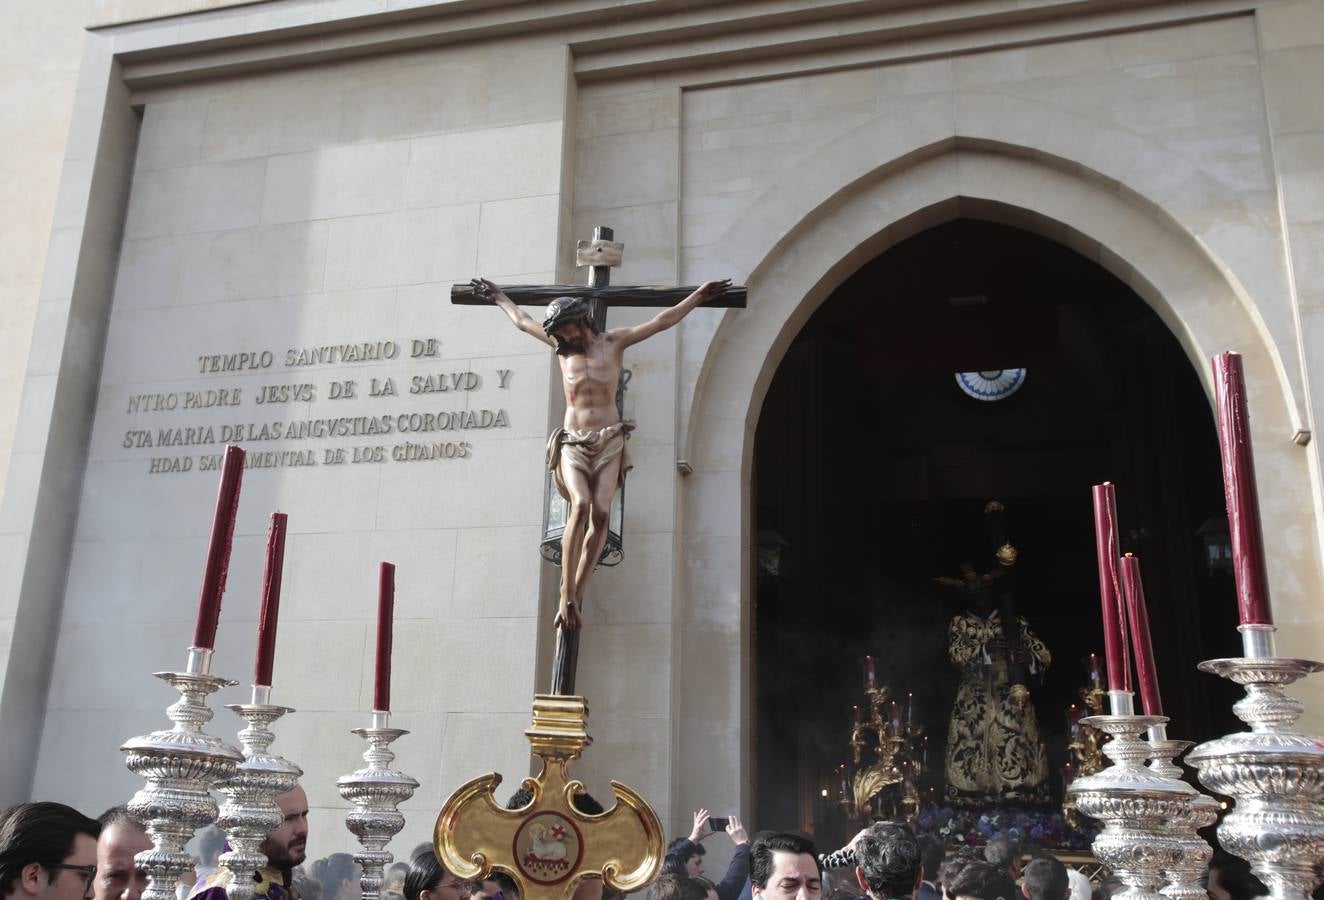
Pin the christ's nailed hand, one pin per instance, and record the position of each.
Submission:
(714, 289)
(484, 288)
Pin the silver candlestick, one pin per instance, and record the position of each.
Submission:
(376, 791)
(1134, 804)
(249, 812)
(1183, 877)
(180, 766)
(1275, 774)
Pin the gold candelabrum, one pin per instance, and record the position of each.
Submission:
(1085, 750)
(896, 746)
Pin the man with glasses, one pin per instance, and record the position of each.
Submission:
(47, 851)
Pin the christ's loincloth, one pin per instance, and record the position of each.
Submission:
(589, 450)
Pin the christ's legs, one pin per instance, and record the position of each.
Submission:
(573, 540)
(599, 520)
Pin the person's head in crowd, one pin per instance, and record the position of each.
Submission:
(784, 866)
(287, 846)
(710, 889)
(309, 888)
(931, 852)
(510, 890)
(1002, 853)
(674, 886)
(982, 881)
(684, 857)
(586, 803)
(887, 861)
(1045, 878)
(393, 880)
(485, 889)
(47, 850)
(948, 870)
(427, 878)
(122, 838)
(340, 875)
(211, 844)
(1230, 878)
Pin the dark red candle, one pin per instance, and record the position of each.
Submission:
(1243, 504)
(870, 677)
(218, 550)
(1096, 677)
(270, 611)
(1115, 652)
(1137, 615)
(856, 715)
(381, 693)
(910, 708)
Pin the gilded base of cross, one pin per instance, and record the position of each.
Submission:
(549, 846)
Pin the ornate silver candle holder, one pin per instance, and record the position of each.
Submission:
(180, 766)
(249, 812)
(1275, 774)
(1135, 806)
(1183, 878)
(376, 791)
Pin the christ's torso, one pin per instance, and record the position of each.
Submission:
(589, 380)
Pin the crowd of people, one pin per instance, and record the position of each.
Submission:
(49, 851)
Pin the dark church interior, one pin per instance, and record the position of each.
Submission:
(872, 469)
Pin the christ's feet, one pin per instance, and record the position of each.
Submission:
(567, 616)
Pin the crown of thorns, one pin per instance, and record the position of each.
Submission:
(566, 309)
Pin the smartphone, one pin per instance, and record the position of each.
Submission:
(717, 824)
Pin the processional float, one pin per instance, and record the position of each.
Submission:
(1150, 815)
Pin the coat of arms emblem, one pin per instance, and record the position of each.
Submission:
(547, 848)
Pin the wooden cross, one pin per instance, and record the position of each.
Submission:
(600, 255)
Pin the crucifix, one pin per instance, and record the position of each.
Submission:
(588, 456)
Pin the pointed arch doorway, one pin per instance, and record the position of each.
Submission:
(871, 467)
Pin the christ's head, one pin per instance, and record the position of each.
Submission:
(569, 321)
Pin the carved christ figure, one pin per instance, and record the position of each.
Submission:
(588, 456)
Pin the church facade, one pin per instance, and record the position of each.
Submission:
(262, 209)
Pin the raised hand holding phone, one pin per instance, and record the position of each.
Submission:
(701, 827)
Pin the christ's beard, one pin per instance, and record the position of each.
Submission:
(570, 347)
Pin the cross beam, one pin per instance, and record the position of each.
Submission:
(615, 296)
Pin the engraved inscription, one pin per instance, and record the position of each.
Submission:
(273, 417)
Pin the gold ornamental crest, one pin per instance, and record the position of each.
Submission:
(549, 846)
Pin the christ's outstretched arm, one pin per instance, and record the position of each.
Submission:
(709, 290)
(522, 320)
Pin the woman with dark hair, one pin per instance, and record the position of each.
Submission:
(429, 880)
(339, 875)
